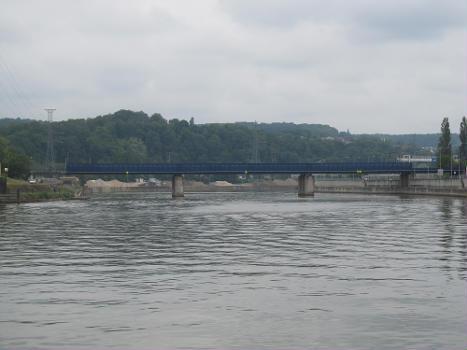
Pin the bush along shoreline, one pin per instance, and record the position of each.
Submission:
(19, 191)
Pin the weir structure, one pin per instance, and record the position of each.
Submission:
(305, 170)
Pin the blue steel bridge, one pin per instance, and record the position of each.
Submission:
(305, 179)
(248, 168)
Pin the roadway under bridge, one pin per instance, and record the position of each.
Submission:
(305, 171)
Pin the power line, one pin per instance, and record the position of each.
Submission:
(15, 108)
(16, 86)
(16, 83)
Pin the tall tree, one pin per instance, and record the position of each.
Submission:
(444, 145)
(17, 163)
(463, 145)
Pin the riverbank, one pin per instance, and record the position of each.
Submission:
(19, 191)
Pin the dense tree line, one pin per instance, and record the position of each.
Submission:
(463, 143)
(9, 121)
(306, 130)
(444, 145)
(445, 150)
(135, 137)
(418, 140)
(18, 164)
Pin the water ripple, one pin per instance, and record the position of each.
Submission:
(234, 270)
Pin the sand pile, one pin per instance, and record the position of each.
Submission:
(110, 184)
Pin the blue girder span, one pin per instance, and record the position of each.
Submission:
(242, 168)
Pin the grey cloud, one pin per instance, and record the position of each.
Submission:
(363, 65)
(9, 35)
(275, 13)
(100, 21)
(409, 20)
(118, 80)
(365, 20)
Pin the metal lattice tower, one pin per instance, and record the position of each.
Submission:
(49, 160)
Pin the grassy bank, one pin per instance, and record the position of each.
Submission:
(26, 192)
(39, 196)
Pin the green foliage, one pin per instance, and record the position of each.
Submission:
(135, 137)
(307, 130)
(39, 192)
(46, 195)
(8, 121)
(17, 182)
(417, 140)
(3, 150)
(463, 145)
(444, 145)
(18, 164)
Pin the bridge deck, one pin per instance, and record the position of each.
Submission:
(244, 168)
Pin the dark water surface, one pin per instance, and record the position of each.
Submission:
(234, 271)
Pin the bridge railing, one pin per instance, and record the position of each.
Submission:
(240, 168)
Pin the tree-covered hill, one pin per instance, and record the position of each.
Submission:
(135, 137)
(306, 130)
(419, 140)
(9, 121)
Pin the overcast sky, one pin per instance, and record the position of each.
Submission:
(394, 66)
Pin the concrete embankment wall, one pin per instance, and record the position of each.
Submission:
(251, 187)
(448, 186)
(116, 189)
(189, 188)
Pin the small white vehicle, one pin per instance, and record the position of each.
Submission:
(32, 181)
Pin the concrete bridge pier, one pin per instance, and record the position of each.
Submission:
(306, 184)
(177, 186)
(405, 179)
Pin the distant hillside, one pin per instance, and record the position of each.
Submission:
(320, 130)
(420, 140)
(307, 130)
(4, 122)
(135, 137)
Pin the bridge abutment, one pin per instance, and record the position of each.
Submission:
(177, 186)
(306, 185)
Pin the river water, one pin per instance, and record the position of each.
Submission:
(234, 271)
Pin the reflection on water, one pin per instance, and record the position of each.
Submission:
(234, 270)
(447, 235)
